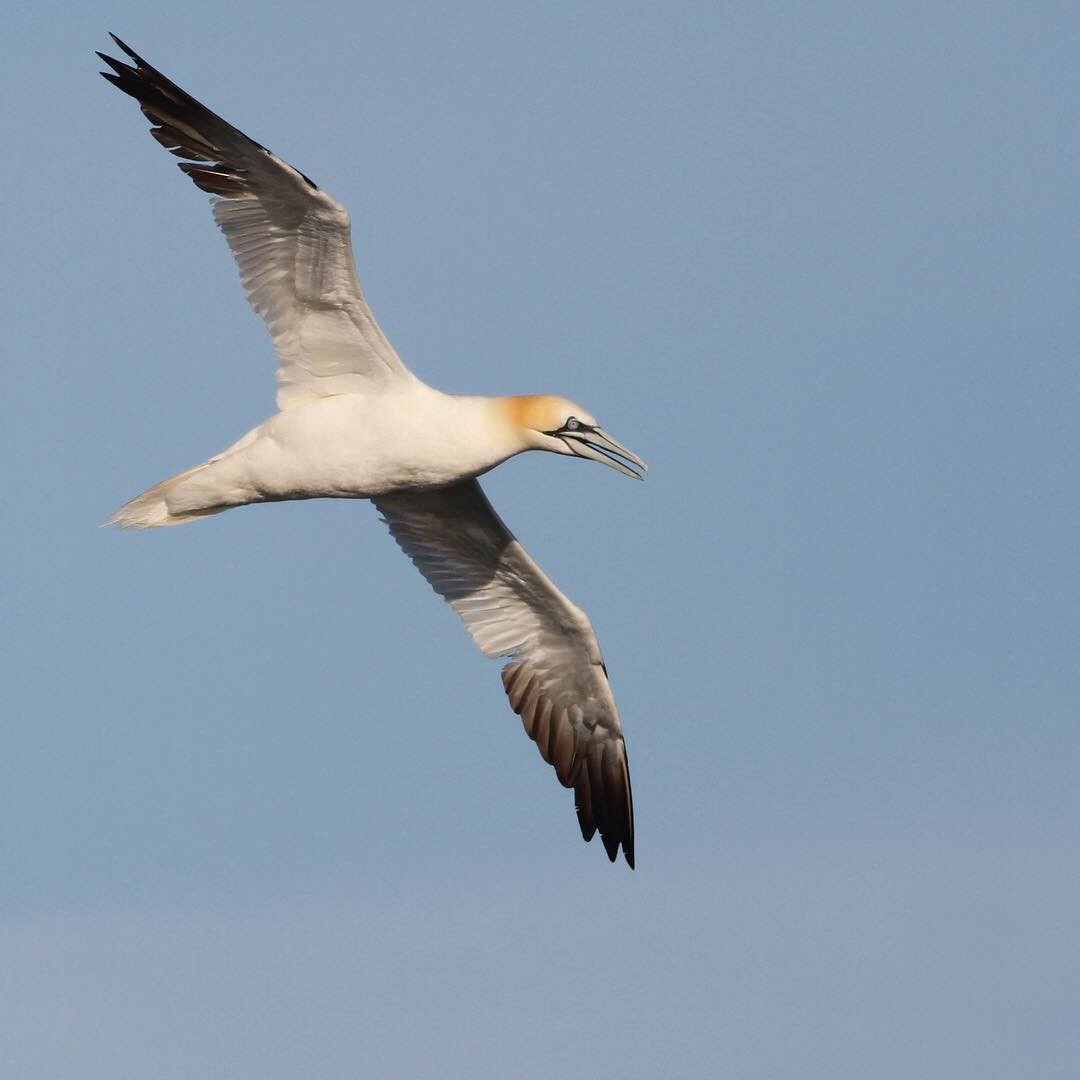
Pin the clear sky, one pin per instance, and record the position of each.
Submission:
(265, 811)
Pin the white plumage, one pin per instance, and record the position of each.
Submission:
(354, 422)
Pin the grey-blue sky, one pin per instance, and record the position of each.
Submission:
(266, 808)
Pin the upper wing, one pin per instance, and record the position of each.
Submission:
(557, 682)
(290, 239)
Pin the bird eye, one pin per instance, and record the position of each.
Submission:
(572, 424)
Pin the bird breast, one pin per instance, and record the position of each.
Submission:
(361, 446)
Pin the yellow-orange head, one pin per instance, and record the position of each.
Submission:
(544, 422)
(542, 413)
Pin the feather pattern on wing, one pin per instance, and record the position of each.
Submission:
(556, 681)
(291, 241)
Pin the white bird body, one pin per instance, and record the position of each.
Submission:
(403, 437)
(355, 423)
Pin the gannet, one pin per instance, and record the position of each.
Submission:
(355, 423)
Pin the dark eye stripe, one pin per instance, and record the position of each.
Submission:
(572, 426)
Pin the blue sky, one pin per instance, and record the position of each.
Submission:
(266, 813)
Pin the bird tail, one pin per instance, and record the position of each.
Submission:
(151, 508)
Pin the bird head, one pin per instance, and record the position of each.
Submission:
(558, 425)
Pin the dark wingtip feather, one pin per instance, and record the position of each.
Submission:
(127, 49)
(126, 78)
(628, 812)
(604, 804)
(584, 806)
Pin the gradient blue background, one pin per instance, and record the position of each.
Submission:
(265, 812)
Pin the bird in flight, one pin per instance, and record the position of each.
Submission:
(355, 423)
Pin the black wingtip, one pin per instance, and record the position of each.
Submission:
(613, 852)
(117, 65)
(140, 63)
(127, 48)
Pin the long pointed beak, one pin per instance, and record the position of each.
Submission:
(598, 445)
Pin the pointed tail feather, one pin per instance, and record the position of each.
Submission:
(151, 509)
